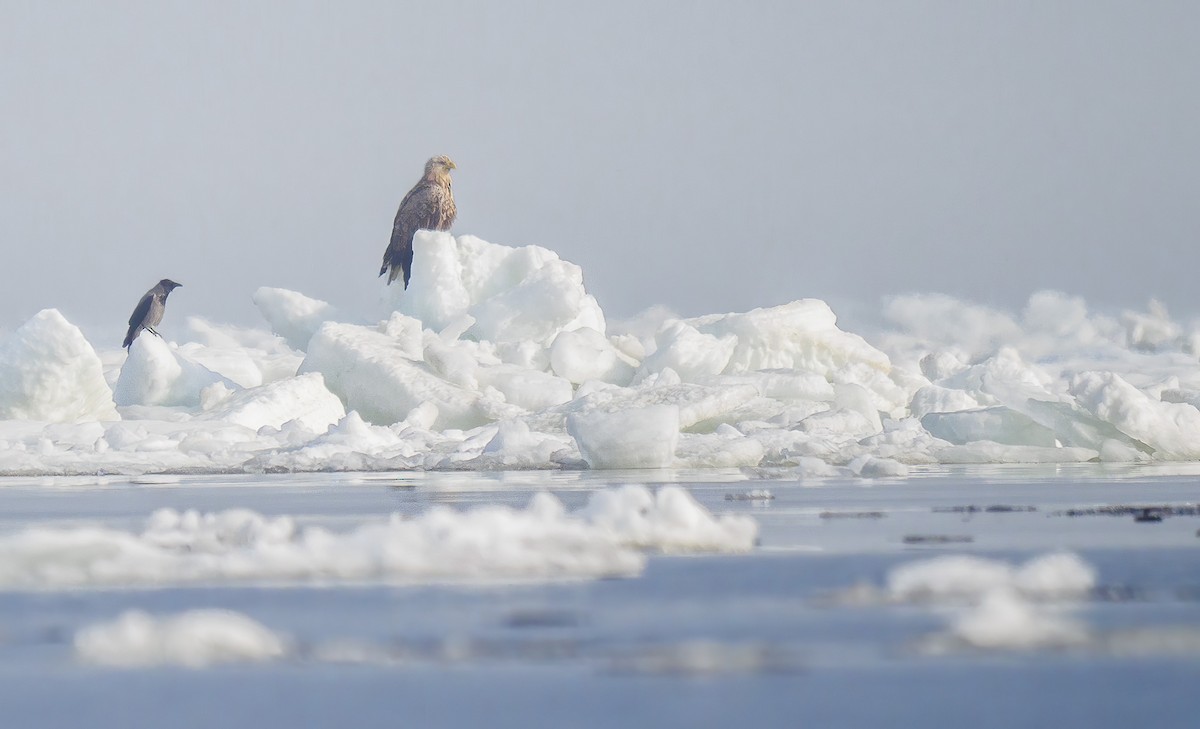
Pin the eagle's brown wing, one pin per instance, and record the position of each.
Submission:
(428, 206)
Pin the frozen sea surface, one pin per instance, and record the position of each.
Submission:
(1079, 604)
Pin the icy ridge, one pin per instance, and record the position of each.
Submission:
(497, 357)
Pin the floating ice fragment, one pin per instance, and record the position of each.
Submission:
(670, 520)
(872, 467)
(1051, 576)
(541, 541)
(1004, 620)
(194, 639)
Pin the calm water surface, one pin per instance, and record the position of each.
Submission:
(748, 640)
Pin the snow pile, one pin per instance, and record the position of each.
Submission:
(541, 541)
(376, 375)
(156, 374)
(194, 639)
(247, 357)
(301, 400)
(49, 372)
(1056, 383)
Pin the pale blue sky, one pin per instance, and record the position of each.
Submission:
(706, 156)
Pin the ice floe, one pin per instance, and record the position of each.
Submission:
(1005, 620)
(992, 604)
(193, 639)
(607, 538)
(964, 577)
(497, 357)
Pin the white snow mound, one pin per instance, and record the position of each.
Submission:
(303, 400)
(511, 294)
(49, 372)
(157, 374)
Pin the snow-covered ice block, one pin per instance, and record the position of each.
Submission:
(1074, 426)
(941, 364)
(248, 357)
(586, 354)
(350, 445)
(717, 450)
(800, 335)
(937, 399)
(526, 388)
(303, 399)
(372, 374)
(1005, 377)
(156, 374)
(997, 424)
(516, 446)
(689, 352)
(49, 372)
(984, 451)
(785, 385)
(512, 294)
(695, 403)
(871, 467)
(642, 437)
(194, 639)
(839, 422)
(1171, 429)
(292, 315)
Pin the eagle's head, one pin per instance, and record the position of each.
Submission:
(440, 165)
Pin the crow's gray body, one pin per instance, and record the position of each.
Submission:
(150, 309)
